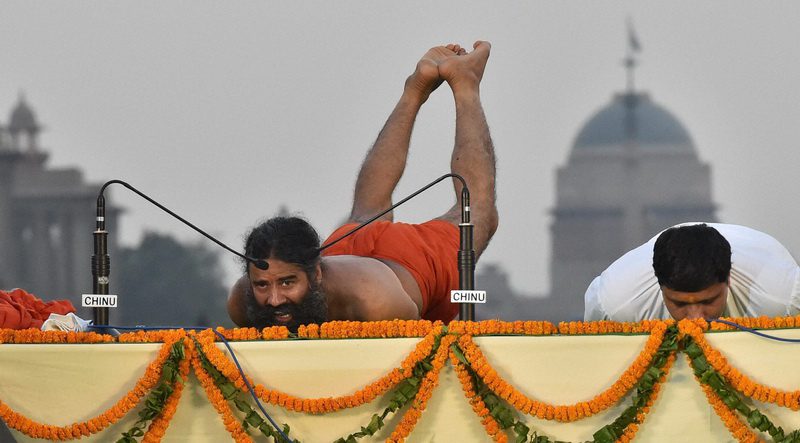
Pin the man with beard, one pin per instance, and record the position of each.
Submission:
(386, 270)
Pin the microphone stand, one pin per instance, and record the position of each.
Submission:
(466, 253)
(466, 258)
(101, 262)
(101, 265)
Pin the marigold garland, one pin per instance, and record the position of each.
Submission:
(38, 336)
(497, 327)
(430, 333)
(739, 381)
(633, 428)
(757, 323)
(478, 406)
(372, 329)
(248, 334)
(609, 327)
(158, 427)
(429, 383)
(729, 418)
(156, 336)
(31, 428)
(564, 413)
(324, 404)
(218, 401)
(493, 428)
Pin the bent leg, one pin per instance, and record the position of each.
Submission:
(473, 154)
(386, 160)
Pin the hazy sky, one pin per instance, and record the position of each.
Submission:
(224, 111)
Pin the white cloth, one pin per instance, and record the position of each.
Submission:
(764, 280)
(69, 322)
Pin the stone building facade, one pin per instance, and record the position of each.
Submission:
(46, 215)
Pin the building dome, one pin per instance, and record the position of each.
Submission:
(633, 117)
(22, 118)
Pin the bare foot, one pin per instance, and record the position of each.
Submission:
(426, 78)
(456, 48)
(465, 71)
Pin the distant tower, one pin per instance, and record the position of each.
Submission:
(632, 171)
(46, 215)
(23, 128)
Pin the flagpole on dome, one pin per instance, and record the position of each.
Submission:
(630, 97)
(630, 61)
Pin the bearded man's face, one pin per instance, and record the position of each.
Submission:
(284, 295)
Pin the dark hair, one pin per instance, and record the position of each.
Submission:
(691, 258)
(289, 239)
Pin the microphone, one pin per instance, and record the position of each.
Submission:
(466, 257)
(466, 254)
(101, 262)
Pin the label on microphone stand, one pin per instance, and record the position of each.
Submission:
(98, 301)
(467, 296)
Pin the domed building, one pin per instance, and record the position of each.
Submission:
(633, 171)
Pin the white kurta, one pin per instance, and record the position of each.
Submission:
(765, 280)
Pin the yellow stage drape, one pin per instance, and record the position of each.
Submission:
(63, 383)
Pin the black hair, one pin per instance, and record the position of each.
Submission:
(289, 239)
(691, 258)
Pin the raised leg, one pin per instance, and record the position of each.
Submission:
(473, 154)
(386, 160)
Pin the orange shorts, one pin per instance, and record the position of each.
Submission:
(429, 251)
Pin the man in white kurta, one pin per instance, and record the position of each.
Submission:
(764, 281)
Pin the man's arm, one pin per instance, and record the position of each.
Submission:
(386, 161)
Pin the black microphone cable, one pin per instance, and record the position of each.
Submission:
(260, 264)
(101, 262)
(466, 254)
(753, 331)
(464, 208)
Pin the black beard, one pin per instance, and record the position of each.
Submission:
(313, 308)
